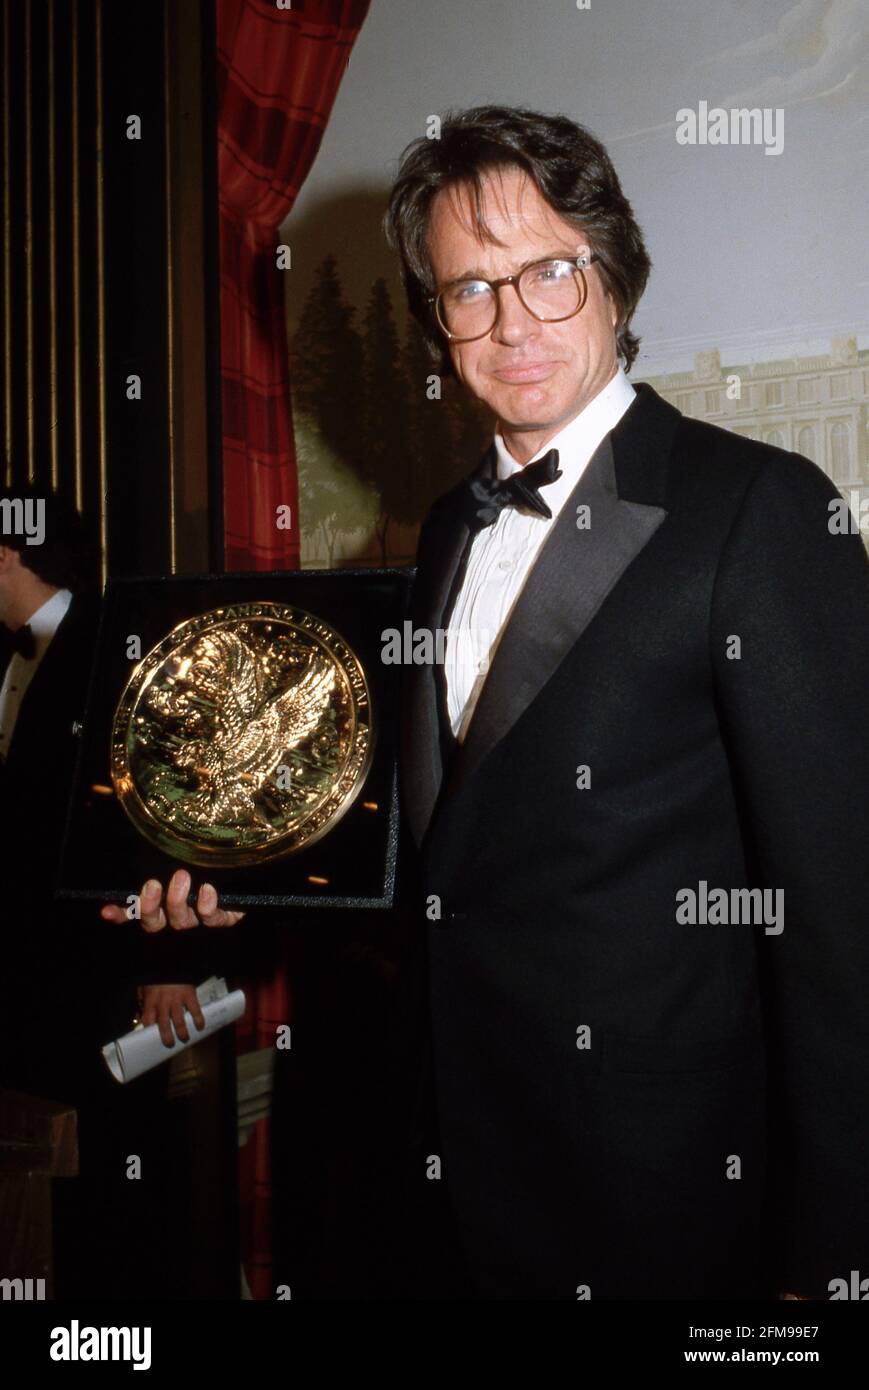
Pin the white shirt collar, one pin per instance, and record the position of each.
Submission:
(577, 440)
(48, 617)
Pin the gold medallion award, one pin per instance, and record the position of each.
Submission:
(244, 735)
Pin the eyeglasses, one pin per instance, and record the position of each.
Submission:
(550, 290)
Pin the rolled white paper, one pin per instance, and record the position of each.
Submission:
(142, 1049)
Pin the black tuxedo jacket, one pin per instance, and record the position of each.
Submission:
(627, 1104)
(62, 968)
(36, 776)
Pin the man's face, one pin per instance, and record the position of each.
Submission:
(534, 376)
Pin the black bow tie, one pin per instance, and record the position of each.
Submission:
(22, 642)
(487, 497)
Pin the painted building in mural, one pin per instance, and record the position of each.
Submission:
(817, 406)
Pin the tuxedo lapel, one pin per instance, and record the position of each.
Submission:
(63, 668)
(572, 575)
(623, 488)
(426, 737)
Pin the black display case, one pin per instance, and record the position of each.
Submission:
(106, 858)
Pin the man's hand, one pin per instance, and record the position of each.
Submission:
(165, 1005)
(177, 914)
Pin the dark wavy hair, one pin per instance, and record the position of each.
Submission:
(571, 170)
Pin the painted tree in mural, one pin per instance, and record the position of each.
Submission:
(327, 377)
(326, 364)
(385, 429)
(448, 429)
(432, 452)
(333, 499)
(379, 435)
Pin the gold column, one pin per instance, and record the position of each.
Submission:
(28, 238)
(78, 460)
(170, 293)
(7, 257)
(102, 459)
(52, 252)
(186, 346)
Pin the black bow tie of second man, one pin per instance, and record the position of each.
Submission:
(21, 641)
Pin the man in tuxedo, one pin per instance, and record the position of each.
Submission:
(635, 786)
(68, 983)
(48, 624)
(656, 666)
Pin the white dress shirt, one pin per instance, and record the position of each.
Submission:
(502, 554)
(19, 673)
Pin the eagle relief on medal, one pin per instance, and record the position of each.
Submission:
(244, 735)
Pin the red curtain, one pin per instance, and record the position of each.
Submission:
(278, 71)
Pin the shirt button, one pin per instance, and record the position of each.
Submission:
(505, 564)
